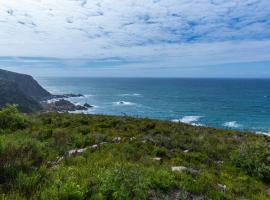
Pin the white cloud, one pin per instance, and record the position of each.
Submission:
(178, 32)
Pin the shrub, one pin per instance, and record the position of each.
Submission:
(160, 151)
(22, 155)
(254, 159)
(27, 183)
(11, 119)
(162, 180)
(124, 181)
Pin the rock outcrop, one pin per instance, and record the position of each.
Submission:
(62, 105)
(88, 105)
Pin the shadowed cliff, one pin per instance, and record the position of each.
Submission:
(10, 93)
(26, 84)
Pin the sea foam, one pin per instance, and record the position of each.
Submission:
(88, 95)
(263, 133)
(189, 120)
(232, 124)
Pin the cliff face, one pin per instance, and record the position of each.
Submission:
(26, 84)
(10, 93)
(29, 96)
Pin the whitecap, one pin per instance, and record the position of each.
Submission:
(232, 124)
(53, 100)
(263, 133)
(189, 120)
(94, 106)
(124, 103)
(88, 95)
(80, 112)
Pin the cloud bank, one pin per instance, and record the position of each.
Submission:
(165, 33)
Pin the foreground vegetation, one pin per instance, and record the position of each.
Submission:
(127, 158)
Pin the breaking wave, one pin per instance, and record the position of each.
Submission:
(232, 124)
(189, 120)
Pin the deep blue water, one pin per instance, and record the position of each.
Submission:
(242, 104)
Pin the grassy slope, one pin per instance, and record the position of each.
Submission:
(126, 170)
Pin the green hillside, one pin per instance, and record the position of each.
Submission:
(65, 156)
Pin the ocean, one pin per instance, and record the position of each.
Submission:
(241, 104)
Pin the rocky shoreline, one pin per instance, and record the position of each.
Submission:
(61, 104)
(25, 92)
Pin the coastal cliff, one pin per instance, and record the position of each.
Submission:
(25, 92)
(10, 93)
(26, 83)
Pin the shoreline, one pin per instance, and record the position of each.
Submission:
(84, 112)
(188, 120)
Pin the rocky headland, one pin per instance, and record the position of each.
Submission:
(29, 96)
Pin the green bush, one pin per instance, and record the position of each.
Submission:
(162, 180)
(32, 167)
(254, 159)
(11, 119)
(160, 151)
(124, 181)
(23, 155)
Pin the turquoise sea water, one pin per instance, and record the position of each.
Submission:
(242, 104)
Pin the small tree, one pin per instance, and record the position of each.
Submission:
(11, 119)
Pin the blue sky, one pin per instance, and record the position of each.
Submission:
(174, 38)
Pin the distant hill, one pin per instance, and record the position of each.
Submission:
(10, 93)
(26, 84)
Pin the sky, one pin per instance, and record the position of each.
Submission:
(136, 38)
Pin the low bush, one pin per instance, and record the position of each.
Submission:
(219, 164)
(11, 119)
(254, 159)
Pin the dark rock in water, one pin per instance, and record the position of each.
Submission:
(26, 84)
(74, 95)
(88, 105)
(79, 107)
(62, 105)
(10, 93)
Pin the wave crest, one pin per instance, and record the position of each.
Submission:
(232, 124)
(189, 120)
(263, 133)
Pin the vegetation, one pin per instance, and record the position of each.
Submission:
(132, 159)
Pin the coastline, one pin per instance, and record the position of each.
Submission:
(174, 99)
(188, 120)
